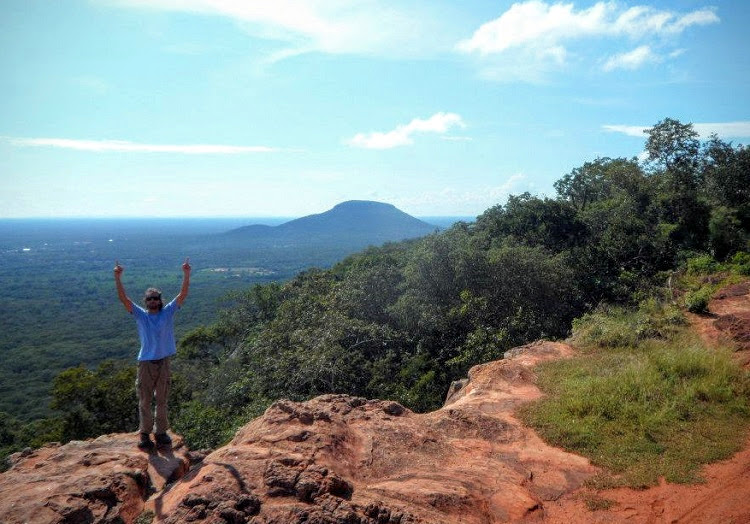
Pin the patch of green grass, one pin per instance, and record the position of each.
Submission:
(642, 407)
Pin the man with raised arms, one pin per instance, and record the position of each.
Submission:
(155, 325)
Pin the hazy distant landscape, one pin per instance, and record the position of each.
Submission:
(57, 297)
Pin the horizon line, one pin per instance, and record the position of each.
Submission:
(196, 217)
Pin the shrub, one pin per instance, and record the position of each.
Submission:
(741, 263)
(611, 326)
(697, 301)
(702, 265)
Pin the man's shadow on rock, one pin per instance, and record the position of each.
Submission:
(167, 465)
(162, 460)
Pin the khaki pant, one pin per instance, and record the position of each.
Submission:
(153, 383)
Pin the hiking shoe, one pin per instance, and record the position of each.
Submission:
(145, 443)
(162, 439)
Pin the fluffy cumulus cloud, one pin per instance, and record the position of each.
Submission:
(534, 37)
(123, 146)
(402, 135)
(724, 130)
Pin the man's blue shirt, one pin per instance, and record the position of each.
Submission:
(156, 331)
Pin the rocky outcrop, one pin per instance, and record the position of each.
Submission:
(342, 459)
(333, 459)
(107, 479)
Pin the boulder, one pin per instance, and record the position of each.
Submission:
(107, 479)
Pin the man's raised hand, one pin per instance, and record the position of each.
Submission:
(185, 282)
(121, 290)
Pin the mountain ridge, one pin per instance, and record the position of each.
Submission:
(364, 219)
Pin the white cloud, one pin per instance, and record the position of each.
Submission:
(402, 135)
(534, 35)
(724, 130)
(331, 26)
(632, 59)
(455, 201)
(123, 146)
(676, 53)
(536, 22)
(533, 22)
(638, 131)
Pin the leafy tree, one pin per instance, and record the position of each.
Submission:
(600, 180)
(370, 283)
(673, 147)
(673, 150)
(312, 347)
(211, 357)
(534, 221)
(529, 293)
(726, 234)
(727, 177)
(9, 437)
(92, 403)
(202, 426)
(432, 283)
(586, 184)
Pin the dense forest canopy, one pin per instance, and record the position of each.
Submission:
(403, 320)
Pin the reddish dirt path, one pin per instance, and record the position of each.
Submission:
(723, 499)
(725, 496)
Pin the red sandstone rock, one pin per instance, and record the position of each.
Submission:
(340, 459)
(333, 459)
(106, 479)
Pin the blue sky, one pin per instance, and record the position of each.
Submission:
(112, 108)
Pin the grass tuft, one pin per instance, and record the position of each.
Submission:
(147, 517)
(594, 502)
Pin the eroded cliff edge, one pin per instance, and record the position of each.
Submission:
(333, 459)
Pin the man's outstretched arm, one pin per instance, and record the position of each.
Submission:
(185, 282)
(121, 290)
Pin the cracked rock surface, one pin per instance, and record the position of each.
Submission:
(335, 459)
